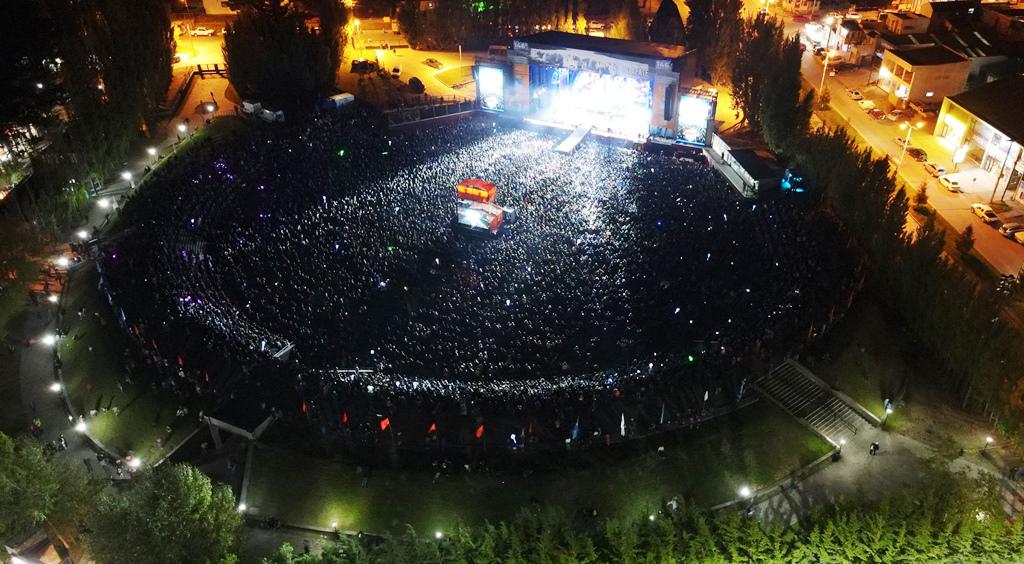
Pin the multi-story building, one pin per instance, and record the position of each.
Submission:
(984, 127)
(922, 75)
(983, 51)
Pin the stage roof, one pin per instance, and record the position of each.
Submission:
(605, 45)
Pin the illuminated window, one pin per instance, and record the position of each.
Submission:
(929, 93)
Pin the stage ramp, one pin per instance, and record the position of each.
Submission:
(569, 143)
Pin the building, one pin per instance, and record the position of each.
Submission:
(948, 14)
(922, 75)
(979, 47)
(1007, 21)
(983, 127)
(621, 88)
(900, 23)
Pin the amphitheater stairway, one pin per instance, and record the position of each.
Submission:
(794, 388)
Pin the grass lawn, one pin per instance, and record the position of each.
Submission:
(755, 446)
(91, 379)
(870, 356)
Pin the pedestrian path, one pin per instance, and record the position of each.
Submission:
(810, 400)
(569, 143)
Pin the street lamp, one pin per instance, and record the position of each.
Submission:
(128, 176)
(80, 426)
(988, 442)
(842, 443)
(152, 152)
(829, 21)
(959, 155)
(824, 70)
(182, 128)
(437, 534)
(82, 234)
(906, 141)
(210, 108)
(242, 507)
(55, 387)
(888, 412)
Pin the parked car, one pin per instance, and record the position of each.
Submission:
(202, 32)
(934, 169)
(855, 94)
(865, 104)
(396, 73)
(895, 115)
(1019, 237)
(843, 66)
(949, 184)
(876, 113)
(432, 63)
(1008, 229)
(917, 154)
(985, 212)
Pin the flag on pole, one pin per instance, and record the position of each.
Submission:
(662, 420)
(622, 425)
(304, 407)
(432, 429)
(385, 423)
(480, 432)
(344, 418)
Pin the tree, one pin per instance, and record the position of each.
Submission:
(667, 26)
(274, 58)
(172, 514)
(921, 196)
(35, 488)
(965, 241)
(627, 21)
(785, 116)
(757, 61)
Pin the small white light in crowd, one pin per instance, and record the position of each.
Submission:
(80, 426)
(126, 175)
(104, 203)
(745, 491)
(210, 108)
(989, 440)
(52, 298)
(63, 262)
(438, 535)
(48, 340)
(82, 234)
(55, 387)
(135, 462)
(242, 507)
(151, 151)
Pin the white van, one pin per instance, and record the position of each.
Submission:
(339, 100)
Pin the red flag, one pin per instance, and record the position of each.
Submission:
(480, 432)
(344, 417)
(304, 407)
(206, 375)
(433, 428)
(385, 423)
(181, 361)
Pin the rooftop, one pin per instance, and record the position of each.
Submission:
(968, 43)
(758, 164)
(988, 102)
(952, 5)
(605, 45)
(928, 56)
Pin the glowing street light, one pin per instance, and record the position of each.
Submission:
(745, 492)
(210, 108)
(988, 442)
(82, 234)
(62, 262)
(49, 340)
(134, 463)
(52, 298)
(151, 151)
(127, 175)
(437, 534)
(55, 387)
(906, 141)
(824, 70)
(103, 203)
(242, 507)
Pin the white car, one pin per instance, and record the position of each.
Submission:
(985, 213)
(949, 184)
(396, 73)
(1009, 229)
(855, 94)
(865, 104)
(934, 169)
(1019, 237)
(202, 32)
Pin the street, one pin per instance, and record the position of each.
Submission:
(1005, 255)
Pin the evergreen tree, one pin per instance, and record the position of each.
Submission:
(784, 115)
(757, 60)
(667, 25)
(965, 241)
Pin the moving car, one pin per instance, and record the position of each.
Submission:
(432, 63)
(1019, 237)
(934, 169)
(895, 115)
(865, 104)
(876, 113)
(202, 32)
(1009, 229)
(917, 154)
(949, 184)
(855, 94)
(985, 213)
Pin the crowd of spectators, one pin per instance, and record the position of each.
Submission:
(629, 278)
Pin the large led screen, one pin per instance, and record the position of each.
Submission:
(694, 113)
(491, 87)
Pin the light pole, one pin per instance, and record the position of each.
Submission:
(906, 141)
(829, 21)
(888, 412)
(152, 152)
(824, 70)
(959, 155)
(988, 442)
(182, 128)
(128, 176)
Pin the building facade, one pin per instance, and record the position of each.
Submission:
(922, 75)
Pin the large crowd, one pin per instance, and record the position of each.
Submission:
(338, 238)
